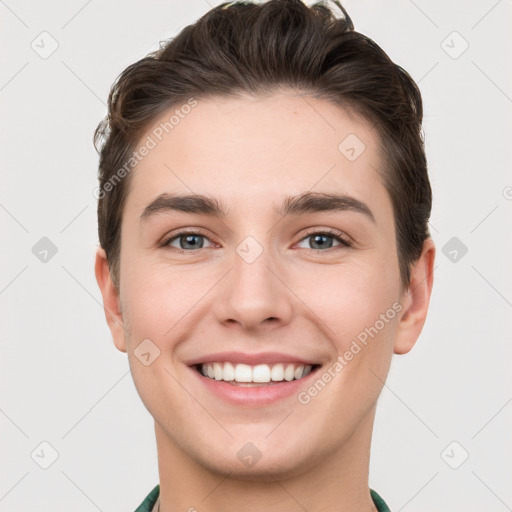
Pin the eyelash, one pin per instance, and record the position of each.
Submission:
(331, 233)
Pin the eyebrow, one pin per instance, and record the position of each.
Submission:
(308, 202)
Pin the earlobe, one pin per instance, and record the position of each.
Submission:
(111, 301)
(415, 300)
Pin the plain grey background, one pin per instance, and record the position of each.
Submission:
(442, 434)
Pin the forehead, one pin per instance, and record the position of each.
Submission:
(250, 149)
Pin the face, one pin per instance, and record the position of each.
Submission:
(296, 272)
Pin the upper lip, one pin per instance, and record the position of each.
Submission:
(250, 358)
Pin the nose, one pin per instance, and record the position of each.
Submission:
(254, 295)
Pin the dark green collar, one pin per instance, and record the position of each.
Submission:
(379, 502)
(150, 500)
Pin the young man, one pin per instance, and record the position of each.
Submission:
(263, 220)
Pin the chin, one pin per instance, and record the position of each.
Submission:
(255, 462)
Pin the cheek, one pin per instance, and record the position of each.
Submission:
(153, 296)
(354, 300)
(362, 314)
(155, 311)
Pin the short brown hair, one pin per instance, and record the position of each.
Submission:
(243, 47)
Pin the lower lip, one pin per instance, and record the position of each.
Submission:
(256, 395)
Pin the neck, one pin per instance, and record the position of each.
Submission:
(338, 482)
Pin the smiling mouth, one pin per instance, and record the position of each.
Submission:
(245, 375)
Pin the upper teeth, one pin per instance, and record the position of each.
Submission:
(259, 373)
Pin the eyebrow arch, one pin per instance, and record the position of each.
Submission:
(192, 203)
(312, 202)
(308, 202)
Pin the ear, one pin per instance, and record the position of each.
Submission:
(111, 302)
(415, 300)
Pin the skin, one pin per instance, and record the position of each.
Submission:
(250, 153)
